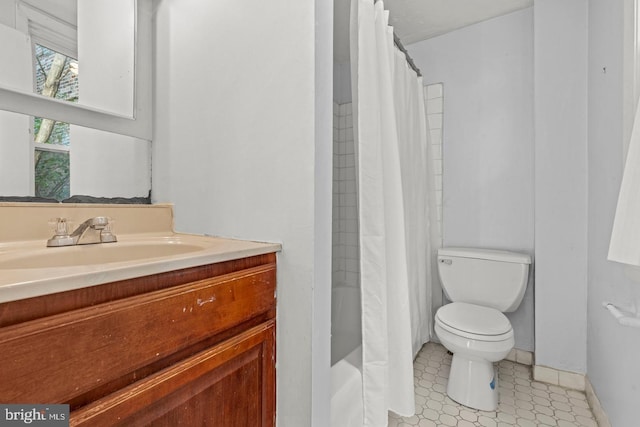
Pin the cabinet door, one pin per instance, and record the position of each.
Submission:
(229, 385)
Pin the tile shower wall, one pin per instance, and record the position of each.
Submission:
(434, 98)
(346, 268)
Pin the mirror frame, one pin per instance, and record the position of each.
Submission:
(138, 126)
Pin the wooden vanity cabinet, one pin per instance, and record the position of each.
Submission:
(194, 347)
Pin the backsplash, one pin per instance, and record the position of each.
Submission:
(31, 221)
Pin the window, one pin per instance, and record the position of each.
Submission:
(56, 76)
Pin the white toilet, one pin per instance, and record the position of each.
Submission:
(482, 284)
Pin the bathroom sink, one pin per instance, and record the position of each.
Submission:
(105, 253)
(147, 245)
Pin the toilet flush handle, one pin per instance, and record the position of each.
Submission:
(446, 261)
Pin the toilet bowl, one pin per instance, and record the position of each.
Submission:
(482, 284)
(475, 346)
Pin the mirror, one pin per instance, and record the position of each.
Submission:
(95, 162)
(96, 38)
(78, 75)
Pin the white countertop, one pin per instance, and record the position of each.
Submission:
(134, 255)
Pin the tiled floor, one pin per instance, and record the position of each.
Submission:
(523, 402)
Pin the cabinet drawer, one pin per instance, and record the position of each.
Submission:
(58, 358)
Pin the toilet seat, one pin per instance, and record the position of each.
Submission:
(474, 322)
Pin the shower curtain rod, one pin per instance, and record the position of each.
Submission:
(398, 43)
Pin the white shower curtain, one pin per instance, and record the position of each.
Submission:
(419, 197)
(393, 205)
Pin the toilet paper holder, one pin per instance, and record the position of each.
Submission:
(624, 317)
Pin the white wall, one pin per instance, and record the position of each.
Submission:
(15, 139)
(242, 146)
(342, 82)
(488, 138)
(102, 163)
(561, 183)
(612, 350)
(8, 13)
(106, 34)
(322, 216)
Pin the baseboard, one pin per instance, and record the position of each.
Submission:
(572, 380)
(520, 356)
(596, 407)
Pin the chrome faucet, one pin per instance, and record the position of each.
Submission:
(93, 230)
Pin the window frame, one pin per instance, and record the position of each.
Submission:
(139, 125)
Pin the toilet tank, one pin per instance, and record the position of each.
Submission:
(485, 277)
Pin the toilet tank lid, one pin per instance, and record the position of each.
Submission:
(488, 254)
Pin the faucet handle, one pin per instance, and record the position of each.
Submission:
(60, 226)
(61, 233)
(106, 234)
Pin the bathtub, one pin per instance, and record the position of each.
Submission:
(346, 357)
